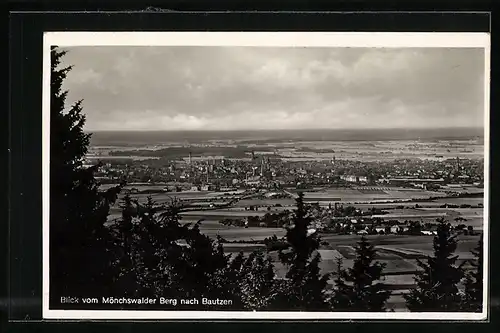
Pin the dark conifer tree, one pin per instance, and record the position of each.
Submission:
(365, 291)
(233, 277)
(176, 259)
(342, 293)
(81, 248)
(472, 299)
(148, 263)
(257, 282)
(161, 247)
(205, 266)
(125, 238)
(437, 284)
(145, 240)
(304, 285)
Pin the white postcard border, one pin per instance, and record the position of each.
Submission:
(267, 39)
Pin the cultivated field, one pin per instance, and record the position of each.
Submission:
(374, 197)
(366, 195)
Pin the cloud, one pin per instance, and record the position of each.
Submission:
(171, 88)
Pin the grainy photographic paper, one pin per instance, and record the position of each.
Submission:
(265, 175)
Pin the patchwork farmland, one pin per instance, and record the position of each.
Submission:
(398, 252)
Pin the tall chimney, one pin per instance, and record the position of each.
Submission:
(208, 169)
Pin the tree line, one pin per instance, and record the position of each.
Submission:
(148, 252)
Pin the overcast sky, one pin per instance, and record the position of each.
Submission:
(224, 88)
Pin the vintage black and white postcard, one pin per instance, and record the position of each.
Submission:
(265, 175)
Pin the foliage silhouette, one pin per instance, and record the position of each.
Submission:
(342, 294)
(304, 286)
(258, 287)
(472, 299)
(437, 283)
(176, 259)
(81, 247)
(358, 288)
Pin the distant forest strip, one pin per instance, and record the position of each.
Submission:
(179, 152)
(234, 152)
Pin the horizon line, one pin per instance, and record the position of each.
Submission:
(284, 129)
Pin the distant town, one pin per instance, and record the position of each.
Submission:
(356, 195)
(213, 174)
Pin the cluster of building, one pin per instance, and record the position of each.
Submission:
(269, 171)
